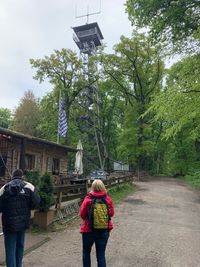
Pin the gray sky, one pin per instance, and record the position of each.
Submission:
(34, 28)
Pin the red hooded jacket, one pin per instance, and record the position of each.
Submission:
(85, 207)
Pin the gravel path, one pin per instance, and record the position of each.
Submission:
(158, 226)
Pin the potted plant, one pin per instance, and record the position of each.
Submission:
(44, 216)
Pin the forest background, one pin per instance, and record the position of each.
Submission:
(138, 111)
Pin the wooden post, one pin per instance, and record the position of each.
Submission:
(58, 205)
(44, 160)
(22, 164)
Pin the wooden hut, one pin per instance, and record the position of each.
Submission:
(27, 153)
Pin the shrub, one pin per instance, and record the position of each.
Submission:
(193, 177)
(46, 190)
(33, 177)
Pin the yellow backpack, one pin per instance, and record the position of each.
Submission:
(99, 214)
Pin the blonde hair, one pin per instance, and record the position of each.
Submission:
(98, 186)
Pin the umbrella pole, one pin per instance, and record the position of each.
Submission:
(58, 138)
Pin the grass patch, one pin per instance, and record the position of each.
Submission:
(119, 192)
(194, 181)
(192, 178)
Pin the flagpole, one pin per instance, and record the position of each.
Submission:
(58, 116)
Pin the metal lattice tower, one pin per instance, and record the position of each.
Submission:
(88, 38)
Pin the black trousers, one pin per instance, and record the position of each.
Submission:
(100, 239)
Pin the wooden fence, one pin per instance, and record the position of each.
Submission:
(69, 192)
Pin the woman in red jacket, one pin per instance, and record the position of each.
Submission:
(91, 236)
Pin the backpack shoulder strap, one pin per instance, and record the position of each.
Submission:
(90, 195)
(93, 197)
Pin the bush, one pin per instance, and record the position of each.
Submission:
(193, 178)
(46, 190)
(33, 177)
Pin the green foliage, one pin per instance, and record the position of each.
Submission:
(63, 69)
(46, 190)
(45, 187)
(128, 150)
(178, 109)
(179, 156)
(48, 125)
(110, 118)
(27, 115)
(5, 117)
(33, 177)
(181, 99)
(136, 71)
(173, 21)
(193, 178)
(136, 68)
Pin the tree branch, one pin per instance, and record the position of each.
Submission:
(120, 84)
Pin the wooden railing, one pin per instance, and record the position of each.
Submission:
(69, 192)
(116, 180)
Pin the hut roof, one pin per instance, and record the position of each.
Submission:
(10, 133)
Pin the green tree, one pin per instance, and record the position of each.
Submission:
(178, 108)
(136, 69)
(180, 99)
(112, 114)
(167, 19)
(180, 155)
(5, 117)
(27, 115)
(48, 126)
(63, 69)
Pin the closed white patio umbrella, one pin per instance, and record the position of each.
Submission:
(79, 159)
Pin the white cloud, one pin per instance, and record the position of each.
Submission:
(34, 28)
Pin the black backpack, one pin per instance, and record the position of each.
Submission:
(99, 214)
(15, 187)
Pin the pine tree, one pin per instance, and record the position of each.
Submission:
(46, 192)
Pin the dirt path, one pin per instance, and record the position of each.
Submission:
(159, 225)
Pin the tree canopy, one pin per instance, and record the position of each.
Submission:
(63, 70)
(181, 98)
(169, 20)
(5, 117)
(136, 70)
(27, 115)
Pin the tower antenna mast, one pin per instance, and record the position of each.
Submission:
(88, 13)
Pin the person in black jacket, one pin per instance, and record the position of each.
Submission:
(17, 199)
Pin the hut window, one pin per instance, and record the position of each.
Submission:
(49, 165)
(3, 161)
(30, 162)
(56, 166)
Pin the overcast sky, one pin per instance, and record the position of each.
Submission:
(34, 28)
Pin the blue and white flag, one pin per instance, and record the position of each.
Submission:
(62, 119)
